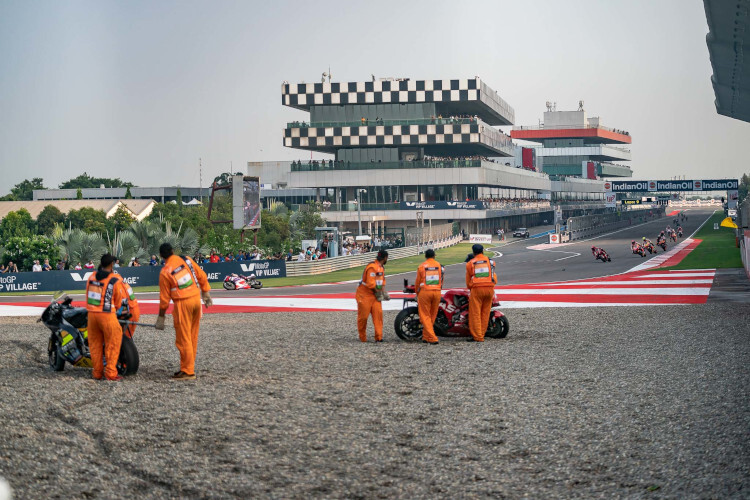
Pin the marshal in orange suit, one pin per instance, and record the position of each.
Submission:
(481, 280)
(104, 292)
(370, 292)
(428, 286)
(183, 282)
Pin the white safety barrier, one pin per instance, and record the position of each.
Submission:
(310, 267)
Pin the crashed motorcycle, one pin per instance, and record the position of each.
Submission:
(452, 318)
(240, 282)
(69, 342)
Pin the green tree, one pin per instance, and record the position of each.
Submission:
(17, 224)
(121, 219)
(79, 194)
(24, 190)
(47, 218)
(306, 220)
(743, 187)
(179, 199)
(88, 220)
(128, 195)
(86, 181)
(23, 250)
(79, 246)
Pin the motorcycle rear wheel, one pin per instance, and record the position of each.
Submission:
(498, 328)
(128, 362)
(407, 325)
(257, 285)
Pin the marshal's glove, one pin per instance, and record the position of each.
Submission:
(159, 323)
(382, 295)
(207, 299)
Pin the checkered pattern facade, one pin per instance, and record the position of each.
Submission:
(304, 95)
(331, 138)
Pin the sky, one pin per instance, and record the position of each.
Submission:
(142, 89)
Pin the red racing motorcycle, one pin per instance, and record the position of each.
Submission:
(452, 318)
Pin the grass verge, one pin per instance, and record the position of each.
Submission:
(717, 250)
(446, 256)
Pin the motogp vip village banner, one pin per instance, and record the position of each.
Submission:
(51, 281)
(441, 205)
(661, 186)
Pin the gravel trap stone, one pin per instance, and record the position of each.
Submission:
(594, 402)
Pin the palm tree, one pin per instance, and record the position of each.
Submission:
(80, 246)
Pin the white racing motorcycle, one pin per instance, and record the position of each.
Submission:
(239, 282)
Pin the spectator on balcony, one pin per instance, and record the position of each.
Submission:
(12, 268)
(46, 266)
(36, 268)
(89, 264)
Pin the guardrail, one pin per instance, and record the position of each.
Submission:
(591, 225)
(322, 266)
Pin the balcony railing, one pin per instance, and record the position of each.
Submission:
(486, 205)
(373, 123)
(342, 165)
(565, 127)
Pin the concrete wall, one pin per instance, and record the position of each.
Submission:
(563, 119)
(489, 174)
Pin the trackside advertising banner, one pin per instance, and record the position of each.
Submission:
(52, 281)
(441, 205)
(661, 186)
(480, 238)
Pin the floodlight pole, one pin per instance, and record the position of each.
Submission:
(359, 211)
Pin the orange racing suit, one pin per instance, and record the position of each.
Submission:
(373, 279)
(480, 279)
(104, 290)
(181, 281)
(428, 285)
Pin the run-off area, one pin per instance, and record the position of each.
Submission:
(575, 402)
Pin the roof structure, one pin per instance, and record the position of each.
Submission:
(728, 27)
(140, 209)
(462, 96)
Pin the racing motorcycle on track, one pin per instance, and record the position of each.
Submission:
(600, 254)
(69, 342)
(452, 318)
(662, 242)
(240, 282)
(637, 249)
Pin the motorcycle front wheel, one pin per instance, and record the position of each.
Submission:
(55, 357)
(407, 324)
(498, 328)
(228, 285)
(128, 362)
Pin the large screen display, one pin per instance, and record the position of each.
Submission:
(246, 202)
